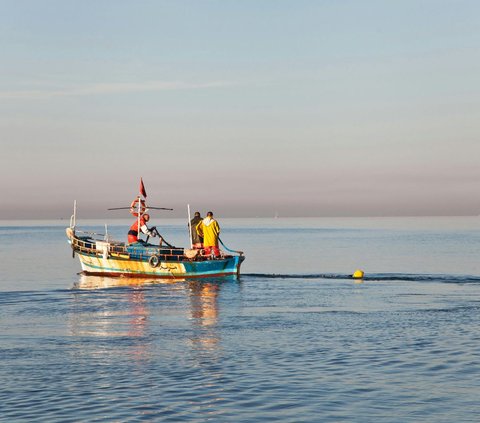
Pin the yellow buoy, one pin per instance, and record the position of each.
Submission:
(358, 274)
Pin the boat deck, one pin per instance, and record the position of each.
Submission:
(140, 251)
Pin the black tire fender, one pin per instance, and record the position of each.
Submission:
(154, 261)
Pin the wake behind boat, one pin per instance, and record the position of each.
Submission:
(102, 256)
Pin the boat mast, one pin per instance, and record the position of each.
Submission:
(190, 226)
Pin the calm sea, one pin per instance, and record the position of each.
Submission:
(293, 340)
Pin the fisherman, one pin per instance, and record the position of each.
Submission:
(197, 239)
(210, 230)
(133, 232)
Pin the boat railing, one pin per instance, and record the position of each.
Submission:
(89, 233)
(116, 249)
(105, 249)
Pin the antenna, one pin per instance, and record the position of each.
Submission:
(73, 217)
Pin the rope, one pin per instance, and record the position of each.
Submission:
(154, 230)
(228, 249)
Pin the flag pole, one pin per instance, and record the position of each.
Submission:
(138, 218)
(138, 210)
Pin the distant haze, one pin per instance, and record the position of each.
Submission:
(248, 108)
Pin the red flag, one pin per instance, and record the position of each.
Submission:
(142, 188)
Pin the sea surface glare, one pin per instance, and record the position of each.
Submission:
(295, 339)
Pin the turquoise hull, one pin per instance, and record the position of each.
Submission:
(110, 258)
(165, 269)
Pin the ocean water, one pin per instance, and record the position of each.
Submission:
(295, 339)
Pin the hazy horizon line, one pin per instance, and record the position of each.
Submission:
(254, 217)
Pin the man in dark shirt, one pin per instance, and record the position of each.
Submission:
(197, 240)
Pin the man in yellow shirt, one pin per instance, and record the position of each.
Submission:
(209, 229)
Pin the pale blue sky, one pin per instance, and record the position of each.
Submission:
(308, 108)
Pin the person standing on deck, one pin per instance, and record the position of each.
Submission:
(197, 239)
(210, 229)
(133, 232)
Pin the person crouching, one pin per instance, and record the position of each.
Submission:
(133, 232)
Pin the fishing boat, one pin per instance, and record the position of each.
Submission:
(102, 256)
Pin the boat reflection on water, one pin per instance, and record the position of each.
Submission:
(101, 282)
(204, 302)
(119, 315)
(109, 312)
(204, 313)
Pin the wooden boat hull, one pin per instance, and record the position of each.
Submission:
(111, 258)
(97, 265)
